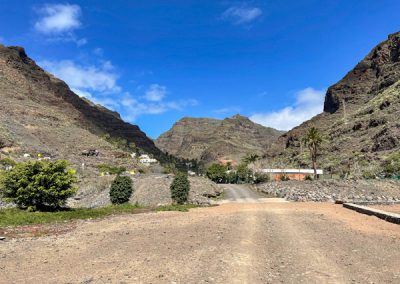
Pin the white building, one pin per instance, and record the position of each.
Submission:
(146, 160)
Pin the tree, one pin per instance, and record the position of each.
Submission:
(313, 141)
(39, 185)
(391, 165)
(243, 172)
(217, 173)
(250, 158)
(121, 190)
(180, 188)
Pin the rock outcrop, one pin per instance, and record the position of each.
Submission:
(361, 118)
(208, 140)
(40, 114)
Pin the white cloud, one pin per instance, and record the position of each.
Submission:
(134, 107)
(58, 22)
(156, 93)
(242, 14)
(85, 78)
(58, 18)
(309, 102)
(98, 83)
(98, 51)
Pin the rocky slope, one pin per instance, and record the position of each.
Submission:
(361, 118)
(208, 140)
(40, 114)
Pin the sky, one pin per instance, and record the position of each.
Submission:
(157, 61)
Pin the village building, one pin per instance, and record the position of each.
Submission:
(292, 174)
(146, 160)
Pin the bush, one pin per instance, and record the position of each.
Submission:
(244, 173)
(308, 178)
(391, 166)
(180, 187)
(39, 185)
(121, 190)
(112, 170)
(7, 162)
(261, 177)
(284, 178)
(217, 173)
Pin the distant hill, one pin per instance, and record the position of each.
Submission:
(361, 118)
(208, 140)
(40, 114)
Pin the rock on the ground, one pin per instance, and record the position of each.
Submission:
(356, 191)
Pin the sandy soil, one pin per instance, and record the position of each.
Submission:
(388, 208)
(232, 243)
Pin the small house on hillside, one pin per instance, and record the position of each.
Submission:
(292, 174)
(146, 160)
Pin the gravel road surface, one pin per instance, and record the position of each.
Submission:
(236, 242)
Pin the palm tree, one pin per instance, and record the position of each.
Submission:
(250, 158)
(313, 141)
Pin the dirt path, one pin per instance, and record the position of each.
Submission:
(231, 243)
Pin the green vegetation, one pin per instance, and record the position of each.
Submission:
(250, 158)
(7, 162)
(261, 177)
(18, 217)
(39, 185)
(180, 188)
(391, 165)
(177, 207)
(121, 190)
(284, 178)
(112, 170)
(313, 141)
(217, 173)
(244, 173)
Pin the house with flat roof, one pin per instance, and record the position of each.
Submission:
(292, 174)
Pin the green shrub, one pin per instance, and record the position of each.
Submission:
(261, 177)
(121, 190)
(112, 170)
(284, 178)
(217, 173)
(7, 162)
(391, 166)
(244, 173)
(180, 188)
(39, 185)
(308, 178)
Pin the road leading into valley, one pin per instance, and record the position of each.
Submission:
(245, 240)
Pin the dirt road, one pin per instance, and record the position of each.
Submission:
(237, 242)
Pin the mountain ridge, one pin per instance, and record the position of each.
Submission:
(40, 113)
(210, 139)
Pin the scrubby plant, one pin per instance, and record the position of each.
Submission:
(244, 173)
(180, 188)
(112, 170)
(217, 173)
(391, 165)
(39, 185)
(121, 190)
(7, 162)
(261, 177)
(308, 178)
(284, 178)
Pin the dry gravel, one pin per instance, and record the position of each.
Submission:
(231, 243)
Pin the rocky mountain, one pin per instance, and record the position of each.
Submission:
(40, 114)
(208, 140)
(361, 118)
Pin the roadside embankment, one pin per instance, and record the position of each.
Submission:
(354, 191)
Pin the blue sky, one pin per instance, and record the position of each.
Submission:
(158, 61)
